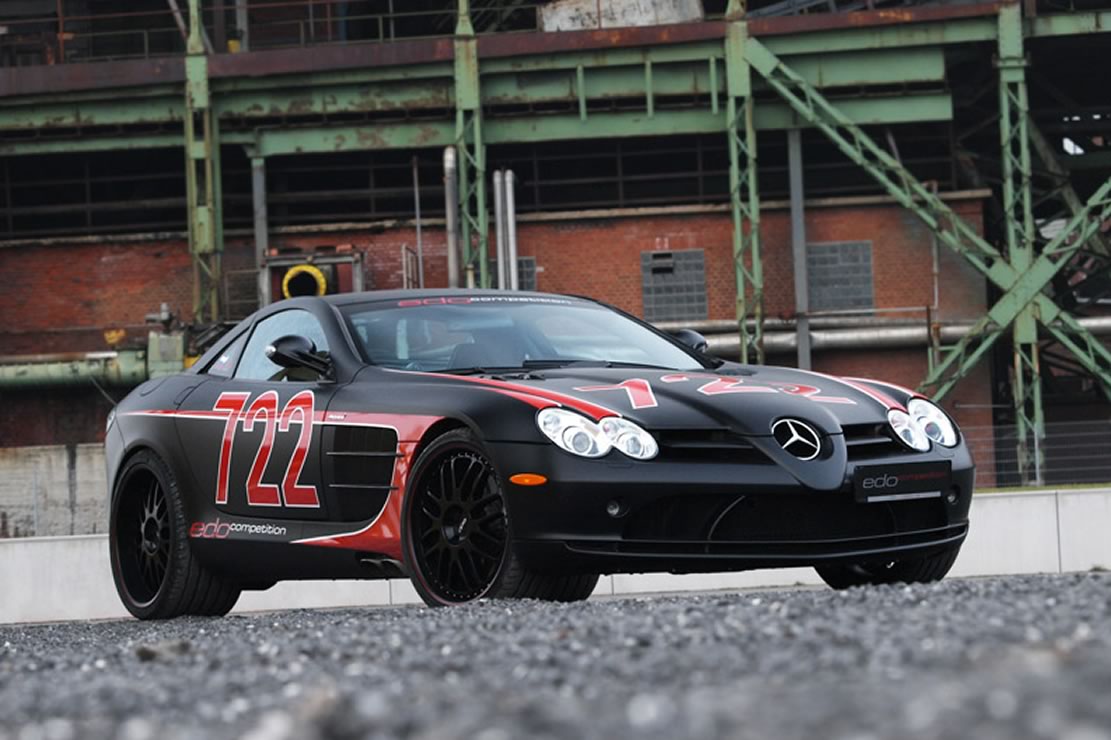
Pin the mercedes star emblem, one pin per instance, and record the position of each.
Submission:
(798, 438)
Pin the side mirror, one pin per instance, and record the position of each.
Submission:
(692, 339)
(292, 351)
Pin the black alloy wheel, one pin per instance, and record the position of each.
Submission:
(457, 537)
(155, 571)
(143, 537)
(459, 525)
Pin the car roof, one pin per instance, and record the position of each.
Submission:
(372, 296)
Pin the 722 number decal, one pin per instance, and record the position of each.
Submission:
(264, 409)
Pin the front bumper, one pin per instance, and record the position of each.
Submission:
(714, 516)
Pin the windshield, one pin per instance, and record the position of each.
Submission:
(493, 332)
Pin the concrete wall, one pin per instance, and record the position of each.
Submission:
(66, 578)
(52, 491)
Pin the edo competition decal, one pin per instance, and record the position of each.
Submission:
(220, 530)
(264, 410)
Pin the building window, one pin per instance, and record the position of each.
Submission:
(526, 273)
(674, 285)
(840, 276)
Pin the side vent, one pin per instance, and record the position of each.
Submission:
(359, 468)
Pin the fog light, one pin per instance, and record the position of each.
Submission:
(954, 495)
(615, 509)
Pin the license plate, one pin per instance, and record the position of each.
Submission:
(877, 483)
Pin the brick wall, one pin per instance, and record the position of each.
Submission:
(63, 297)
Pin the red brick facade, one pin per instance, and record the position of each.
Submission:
(63, 297)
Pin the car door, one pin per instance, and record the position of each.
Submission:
(248, 429)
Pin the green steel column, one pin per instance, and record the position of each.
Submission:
(473, 219)
(1019, 229)
(744, 196)
(202, 177)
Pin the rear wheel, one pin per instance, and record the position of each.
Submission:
(911, 570)
(155, 572)
(457, 537)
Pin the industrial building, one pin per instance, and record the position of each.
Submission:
(914, 191)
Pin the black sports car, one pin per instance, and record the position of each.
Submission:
(491, 444)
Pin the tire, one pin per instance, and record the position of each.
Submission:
(153, 567)
(925, 569)
(456, 535)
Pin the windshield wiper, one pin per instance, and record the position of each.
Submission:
(518, 370)
(541, 364)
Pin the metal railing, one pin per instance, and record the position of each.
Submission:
(1073, 453)
(232, 27)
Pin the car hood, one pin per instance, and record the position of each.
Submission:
(746, 401)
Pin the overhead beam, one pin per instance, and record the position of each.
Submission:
(1075, 23)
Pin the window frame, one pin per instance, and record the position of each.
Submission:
(251, 335)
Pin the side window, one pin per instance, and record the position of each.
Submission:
(256, 366)
(224, 365)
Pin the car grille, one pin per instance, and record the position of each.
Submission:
(778, 518)
(863, 442)
(707, 445)
(871, 441)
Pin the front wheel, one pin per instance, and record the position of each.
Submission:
(456, 537)
(926, 569)
(155, 572)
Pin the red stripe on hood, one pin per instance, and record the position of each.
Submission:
(593, 410)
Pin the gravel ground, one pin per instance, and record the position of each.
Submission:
(1007, 658)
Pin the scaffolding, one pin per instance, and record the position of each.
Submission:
(482, 78)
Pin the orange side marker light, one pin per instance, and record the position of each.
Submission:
(528, 479)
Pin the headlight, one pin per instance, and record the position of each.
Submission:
(907, 431)
(111, 420)
(573, 433)
(932, 421)
(629, 438)
(580, 436)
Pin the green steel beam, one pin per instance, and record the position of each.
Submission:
(898, 36)
(770, 116)
(471, 148)
(202, 178)
(323, 139)
(744, 195)
(93, 113)
(318, 100)
(1022, 287)
(1027, 290)
(1018, 225)
(98, 144)
(812, 107)
(1075, 23)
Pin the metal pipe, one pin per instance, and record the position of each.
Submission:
(726, 326)
(511, 229)
(798, 246)
(125, 368)
(262, 228)
(416, 206)
(242, 24)
(451, 215)
(499, 226)
(891, 337)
